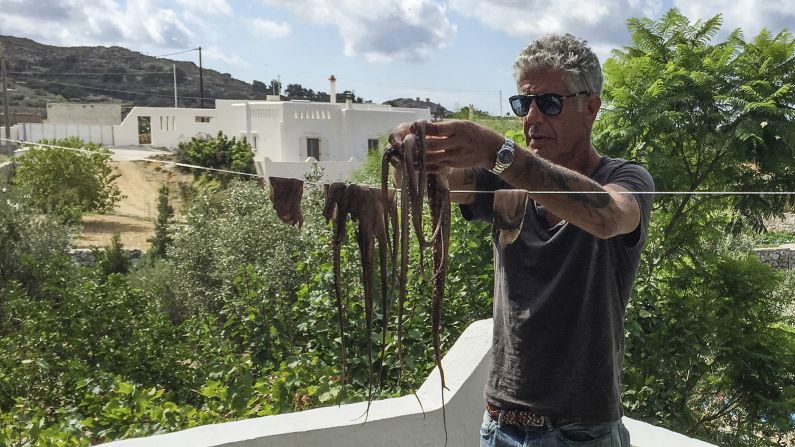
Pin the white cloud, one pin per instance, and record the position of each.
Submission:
(268, 28)
(206, 7)
(750, 15)
(99, 22)
(381, 30)
(217, 53)
(601, 22)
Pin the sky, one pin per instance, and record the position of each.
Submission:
(454, 52)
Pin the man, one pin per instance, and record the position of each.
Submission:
(561, 289)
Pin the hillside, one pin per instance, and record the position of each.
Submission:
(40, 73)
(45, 73)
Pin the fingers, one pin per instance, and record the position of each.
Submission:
(443, 129)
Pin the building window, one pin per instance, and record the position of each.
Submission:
(372, 145)
(313, 148)
(203, 119)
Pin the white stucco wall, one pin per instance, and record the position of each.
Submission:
(89, 114)
(391, 422)
(333, 171)
(170, 126)
(278, 131)
(35, 132)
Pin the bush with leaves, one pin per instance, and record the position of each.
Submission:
(708, 349)
(69, 180)
(34, 249)
(218, 153)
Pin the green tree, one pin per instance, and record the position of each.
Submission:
(162, 238)
(70, 180)
(707, 351)
(114, 259)
(260, 88)
(217, 153)
(34, 249)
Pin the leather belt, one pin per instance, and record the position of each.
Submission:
(519, 418)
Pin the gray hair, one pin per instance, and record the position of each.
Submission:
(565, 53)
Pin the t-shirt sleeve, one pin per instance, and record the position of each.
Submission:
(635, 178)
(483, 206)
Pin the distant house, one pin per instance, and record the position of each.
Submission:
(287, 136)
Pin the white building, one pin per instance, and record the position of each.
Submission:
(287, 136)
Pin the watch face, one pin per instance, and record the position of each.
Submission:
(505, 156)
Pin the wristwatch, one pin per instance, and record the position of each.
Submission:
(504, 156)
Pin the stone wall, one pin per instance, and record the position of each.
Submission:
(787, 223)
(85, 256)
(779, 257)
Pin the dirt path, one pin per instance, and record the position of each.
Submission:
(135, 214)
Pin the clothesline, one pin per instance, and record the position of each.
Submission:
(226, 171)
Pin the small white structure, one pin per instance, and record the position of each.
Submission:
(287, 136)
(88, 114)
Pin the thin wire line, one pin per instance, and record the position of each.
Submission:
(118, 91)
(178, 52)
(36, 73)
(387, 84)
(226, 171)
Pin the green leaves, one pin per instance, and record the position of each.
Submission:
(218, 153)
(68, 182)
(705, 115)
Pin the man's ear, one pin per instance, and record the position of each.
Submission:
(592, 106)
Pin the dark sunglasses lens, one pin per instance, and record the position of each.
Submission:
(520, 105)
(549, 104)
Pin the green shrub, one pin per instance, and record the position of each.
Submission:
(68, 182)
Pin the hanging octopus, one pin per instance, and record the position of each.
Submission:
(285, 194)
(413, 179)
(335, 210)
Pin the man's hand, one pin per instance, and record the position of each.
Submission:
(461, 144)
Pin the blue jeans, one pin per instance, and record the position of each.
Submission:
(611, 434)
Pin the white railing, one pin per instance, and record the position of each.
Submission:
(391, 422)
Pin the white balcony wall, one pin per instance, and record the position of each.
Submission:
(333, 171)
(391, 422)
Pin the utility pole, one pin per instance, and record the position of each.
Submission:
(201, 79)
(174, 67)
(5, 97)
(500, 103)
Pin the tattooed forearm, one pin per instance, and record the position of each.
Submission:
(562, 179)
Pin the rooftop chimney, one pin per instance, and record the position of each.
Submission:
(348, 100)
(427, 99)
(333, 89)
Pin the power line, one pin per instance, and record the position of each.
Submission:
(385, 84)
(36, 73)
(115, 91)
(178, 52)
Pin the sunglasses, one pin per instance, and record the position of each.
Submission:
(549, 104)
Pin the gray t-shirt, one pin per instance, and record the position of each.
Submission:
(559, 300)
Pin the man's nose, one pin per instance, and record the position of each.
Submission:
(533, 114)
